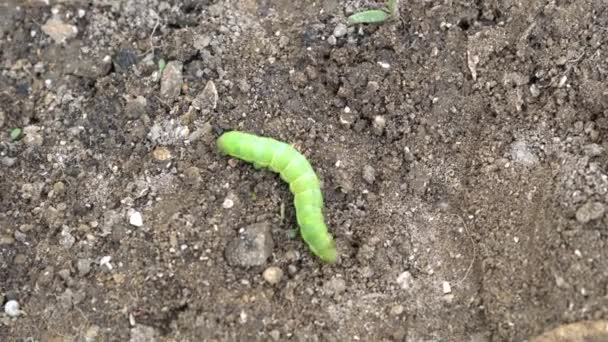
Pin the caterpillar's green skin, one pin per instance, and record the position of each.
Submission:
(295, 170)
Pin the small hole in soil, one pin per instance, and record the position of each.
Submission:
(464, 24)
(533, 79)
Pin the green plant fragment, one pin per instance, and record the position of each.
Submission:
(16, 133)
(368, 17)
(161, 65)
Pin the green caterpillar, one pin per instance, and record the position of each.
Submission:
(294, 169)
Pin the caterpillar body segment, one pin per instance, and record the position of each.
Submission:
(303, 182)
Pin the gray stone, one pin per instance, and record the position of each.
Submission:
(252, 247)
(58, 30)
(340, 30)
(593, 150)
(206, 100)
(172, 80)
(83, 266)
(379, 124)
(32, 136)
(521, 154)
(66, 239)
(332, 40)
(590, 211)
(369, 174)
(8, 161)
(405, 280)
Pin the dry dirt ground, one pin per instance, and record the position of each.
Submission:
(462, 149)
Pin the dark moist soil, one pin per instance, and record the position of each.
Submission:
(462, 149)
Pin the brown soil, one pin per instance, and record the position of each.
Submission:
(461, 146)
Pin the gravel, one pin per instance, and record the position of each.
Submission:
(405, 280)
(32, 136)
(172, 80)
(58, 30)
(379, 124)
(590, 211)
(521, 154)
(369, 174)
(83, 266)
(66, 239)
(206, 100)
(252, 247)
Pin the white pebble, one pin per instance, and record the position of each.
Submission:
(106, 261)
(384, 65)
(446, 287)
(228, 203)
(11, 308)
(405, 280)
(273, 275)
(135, 219)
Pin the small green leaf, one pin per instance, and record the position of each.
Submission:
(368, 17)
(15, 133)
(161, 65)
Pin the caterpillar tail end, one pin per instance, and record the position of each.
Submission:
(328, 255)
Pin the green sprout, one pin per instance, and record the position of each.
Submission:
(16, 133)
(375, 16)
(161, 65)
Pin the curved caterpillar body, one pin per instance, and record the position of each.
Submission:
(294, 169)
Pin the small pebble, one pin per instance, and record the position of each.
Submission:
(32, 136)
(135, 219)
(340, 30)
(58, 30)
(11, 308)
(66, 238)
(206, 100)
(332, 40)
(8, 161)
(105, 261)
(59, 188)
(273, 275)
(405, 280)
(369, 174)
(192, 175)
(228, 203)
(379, 124)
(83, 266)
(172, 80)
(446, 287)
(397, 310)
(590, 211)
(521, 154)
(252, 247)
(161, 154)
